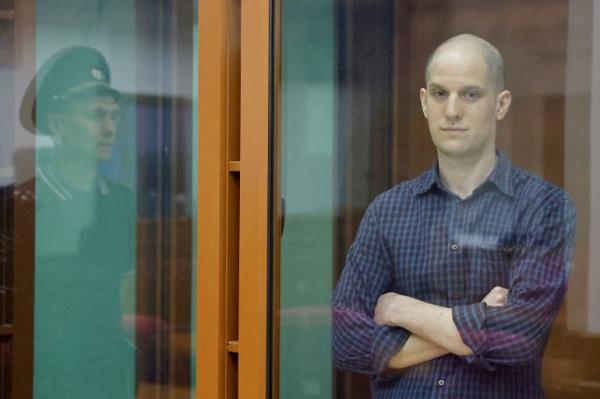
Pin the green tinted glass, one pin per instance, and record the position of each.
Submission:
(111, 111)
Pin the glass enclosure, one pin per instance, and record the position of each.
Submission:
(352, 127)
(97, 175)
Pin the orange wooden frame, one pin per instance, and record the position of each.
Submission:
(232, 246)
(210, 258)
(254, 179)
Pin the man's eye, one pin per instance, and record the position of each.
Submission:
(439, 93)
(472, 95)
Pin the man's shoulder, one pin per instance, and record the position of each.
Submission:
(398, 197)
(399, 193)
(529, 186)
(534, 192)
(413, 186)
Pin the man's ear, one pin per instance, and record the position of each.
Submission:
(503, 100)
(423, 95)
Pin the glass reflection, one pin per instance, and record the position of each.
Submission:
(96, 222)
(85, 236)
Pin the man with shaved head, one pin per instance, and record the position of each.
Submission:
(492, 57)
(454, 279)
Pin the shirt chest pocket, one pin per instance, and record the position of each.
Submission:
(490, 267)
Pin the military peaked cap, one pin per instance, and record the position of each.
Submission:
(69, 74)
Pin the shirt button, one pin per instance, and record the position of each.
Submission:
(454, 247)
(456, 296)
(441, 383)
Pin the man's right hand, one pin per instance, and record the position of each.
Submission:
(496, 297)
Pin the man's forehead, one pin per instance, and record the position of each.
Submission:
(93, 102)
(462, 65)
(457, 54)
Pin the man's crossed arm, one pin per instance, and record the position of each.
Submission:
(511, 335)
(434, 333)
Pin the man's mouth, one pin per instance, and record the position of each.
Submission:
(454, 129)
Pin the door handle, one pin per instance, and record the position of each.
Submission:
(282, 215)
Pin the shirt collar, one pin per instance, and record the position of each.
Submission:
(501, 177)
(427, 180)
(47, 175)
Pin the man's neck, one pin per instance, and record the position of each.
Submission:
(78, 174)
(463, 175)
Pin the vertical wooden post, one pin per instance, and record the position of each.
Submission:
(211, 223)
(233, 195)
(254, 190)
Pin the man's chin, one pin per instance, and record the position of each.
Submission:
(452, 151)
(460, 152)
(104, 155)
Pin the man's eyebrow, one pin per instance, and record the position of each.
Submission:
(473, 87)
(435, 86)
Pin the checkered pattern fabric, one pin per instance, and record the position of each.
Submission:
(418, 239)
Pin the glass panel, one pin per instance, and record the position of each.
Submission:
(307, 119)
(98, 198)
(352, 127)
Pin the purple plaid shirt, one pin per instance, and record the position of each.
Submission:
(418, 239)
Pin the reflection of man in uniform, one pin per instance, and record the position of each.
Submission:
(85, 236)
(454, 280)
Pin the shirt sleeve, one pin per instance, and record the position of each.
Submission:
(360, 345)
(515, 334)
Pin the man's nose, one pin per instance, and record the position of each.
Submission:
(453, 110)
(109, 125)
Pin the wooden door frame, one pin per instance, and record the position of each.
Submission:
(233, 246)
